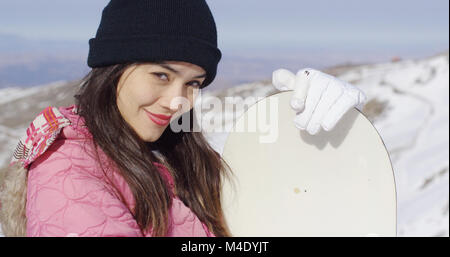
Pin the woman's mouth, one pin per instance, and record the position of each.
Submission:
(159, 119)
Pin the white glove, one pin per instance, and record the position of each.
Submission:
(319, 99)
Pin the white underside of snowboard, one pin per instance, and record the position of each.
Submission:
(336, 183)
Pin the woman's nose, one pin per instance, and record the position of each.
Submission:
(175, 98)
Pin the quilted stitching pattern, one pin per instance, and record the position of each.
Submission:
(69, 194)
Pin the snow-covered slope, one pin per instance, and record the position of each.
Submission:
(408, 103)
(415, 127)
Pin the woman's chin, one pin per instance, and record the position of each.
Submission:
(150, 138)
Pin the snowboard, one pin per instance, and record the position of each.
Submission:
(334, 183)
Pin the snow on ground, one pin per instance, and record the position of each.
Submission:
(415, 130)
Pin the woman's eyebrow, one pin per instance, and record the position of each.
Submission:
(177, 72)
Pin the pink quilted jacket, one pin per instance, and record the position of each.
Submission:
(68, 194)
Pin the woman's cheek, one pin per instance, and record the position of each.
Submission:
(145, 97)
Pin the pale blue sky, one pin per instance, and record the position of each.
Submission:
(257, 22)
(255, 36)
(244, 26)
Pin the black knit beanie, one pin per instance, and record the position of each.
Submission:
(156, 30)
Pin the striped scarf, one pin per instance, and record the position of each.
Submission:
(41, 133)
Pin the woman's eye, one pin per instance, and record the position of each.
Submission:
(162, 76)
(165, 77)
(195, 83)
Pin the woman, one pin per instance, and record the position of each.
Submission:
(109, 165)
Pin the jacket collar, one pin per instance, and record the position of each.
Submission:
(77, 128)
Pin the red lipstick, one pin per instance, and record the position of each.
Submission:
(159, 119)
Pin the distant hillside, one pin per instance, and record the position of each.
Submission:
(26, 62)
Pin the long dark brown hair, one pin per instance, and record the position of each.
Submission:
(196, 167)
